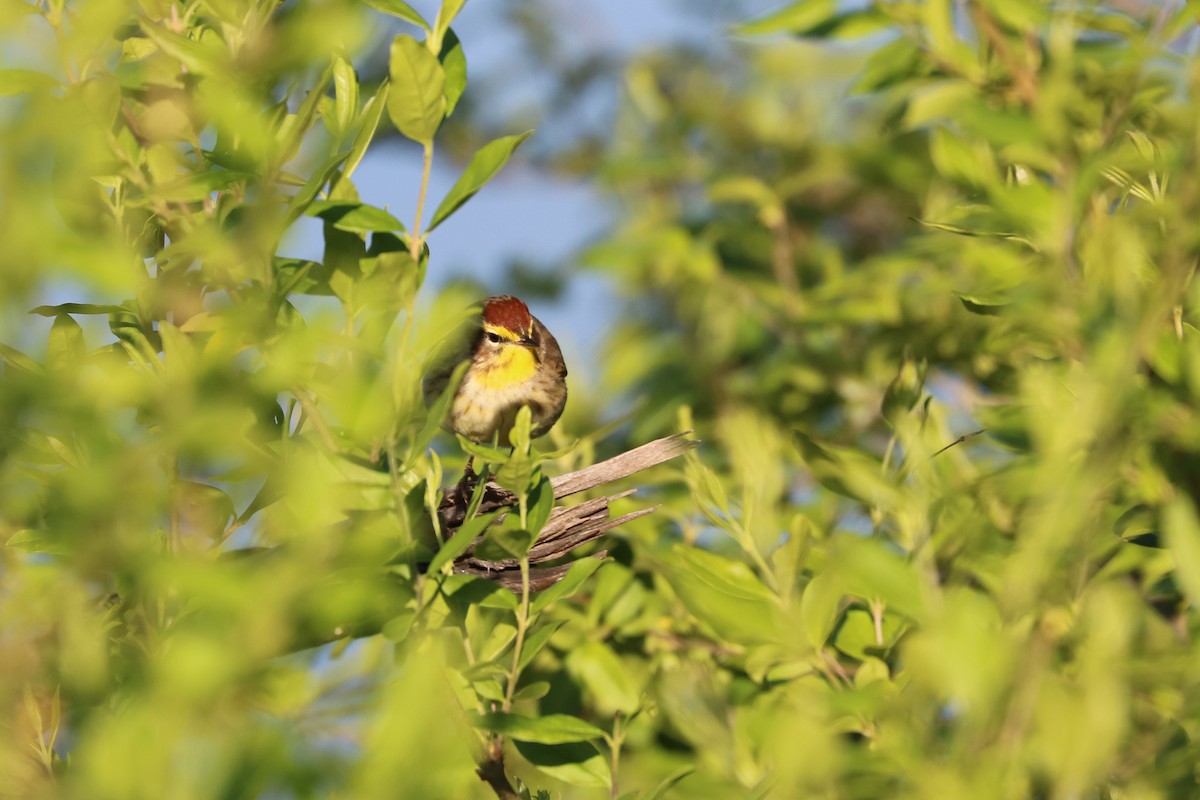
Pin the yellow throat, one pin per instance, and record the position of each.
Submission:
(513, 365)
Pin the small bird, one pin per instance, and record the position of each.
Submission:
(515, 361)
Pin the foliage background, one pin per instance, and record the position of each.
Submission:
(844, 239)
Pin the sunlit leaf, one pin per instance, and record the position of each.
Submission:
(488, 161)
(416, 98)
(398, 8)
(23, 81)
(356, 217)
(546, 729)
(578, 764)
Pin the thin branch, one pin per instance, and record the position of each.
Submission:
(966, 437)
(624, 465)
(492, 773)
(415, 241)
(568, 527)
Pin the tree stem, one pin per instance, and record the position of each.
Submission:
(415, 241)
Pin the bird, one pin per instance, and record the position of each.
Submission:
(514, 361)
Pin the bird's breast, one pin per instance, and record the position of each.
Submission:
(511, 367)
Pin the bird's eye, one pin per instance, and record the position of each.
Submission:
(494, 338)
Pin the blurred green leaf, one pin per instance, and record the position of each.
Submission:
(820, 607)
(819, 18)
(31, 541)
(1182, 529)
(398, 8)
(24, 81)
(857, 637)
(599, 669)
(345, 82)
(669, 782)
(725, 595)
(854, 474)
(372, 113)
(308, 192)
(77, 308)
(66, 346)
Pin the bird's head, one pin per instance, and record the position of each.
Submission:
(507, 322)
(508, 345)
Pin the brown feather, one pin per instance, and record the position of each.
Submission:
(508, 312)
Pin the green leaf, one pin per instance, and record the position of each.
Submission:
(454, 64)
(535, 641)
(23, 81)
(493, 455)
(852, 473)
(819, 19)
(199, 57)
(31, 541)
(1182, 529)
(78, 308)
(726, 595)
(1138, 524)
(488, 161)
(446, 14)
(517, 474)
(502, 542)
(437, 412)
(540, 504)
(820, 606)
(578, 764)
(294, 127)
(961, 231)
(459, 542)
(669, 782)
(298, 276)
(871, 570)
(66, 347)
(904, 390)
(18, 360)
(345, 93)
(354, 217)
(987, 305)
(199, 186)
(534, 691)
(797, 17)
(546, 729)
(856, 635)
(597, 667)
(398, 8)
(371, 114)
(570, 583)
(308, 192)
(416, 100)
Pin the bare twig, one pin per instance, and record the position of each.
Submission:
(624, 465)
(569, 526)
(492, 772)
(966, 437)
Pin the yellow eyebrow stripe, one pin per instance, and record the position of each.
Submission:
(504, 333)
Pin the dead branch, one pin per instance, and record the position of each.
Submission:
(569, 527)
